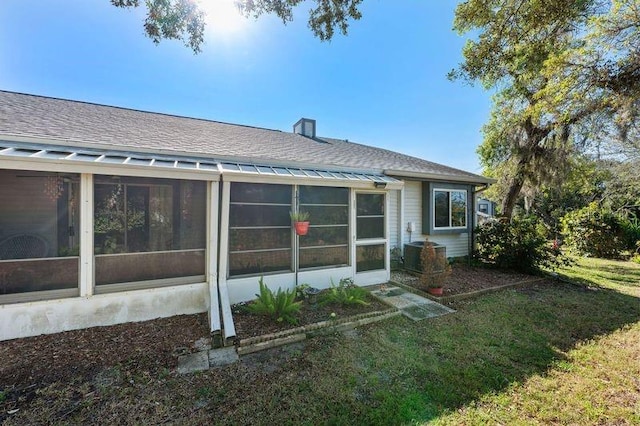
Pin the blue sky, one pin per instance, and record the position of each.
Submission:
(384, 84)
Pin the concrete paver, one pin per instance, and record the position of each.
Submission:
(411, 305)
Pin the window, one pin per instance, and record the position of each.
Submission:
(450, 208)
(370, 257)
(483, 208)
(370, 216)
(327, 243)
(39, 235)
(148, 232)
(260, 235)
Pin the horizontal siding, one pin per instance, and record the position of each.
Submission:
(412, 211)
(394, 218)
(457, 244)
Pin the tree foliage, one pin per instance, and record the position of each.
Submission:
(566, 76)
(520, 244)
(594, 231)
(184, 20)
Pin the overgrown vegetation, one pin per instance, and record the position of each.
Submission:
(520, 245)
(345, 293)
(594, 231)
(281, 305)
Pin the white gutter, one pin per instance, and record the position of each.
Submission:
(475, 179)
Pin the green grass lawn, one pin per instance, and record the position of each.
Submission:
(553, 353)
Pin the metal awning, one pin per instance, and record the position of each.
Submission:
(251, 169)
(86, 159)
(114, 158)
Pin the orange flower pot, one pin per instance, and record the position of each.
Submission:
(301, 227)
(436, 291)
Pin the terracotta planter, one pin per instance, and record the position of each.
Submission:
(301, 227)
(436, 291)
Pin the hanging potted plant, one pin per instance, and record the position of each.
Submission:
(300, 222)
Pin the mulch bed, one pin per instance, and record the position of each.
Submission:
(251, 325)
(467, 279)
(34, 362)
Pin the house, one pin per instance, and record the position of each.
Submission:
(485, 210)
(110, 215)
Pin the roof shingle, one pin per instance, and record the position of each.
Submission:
(91, 125)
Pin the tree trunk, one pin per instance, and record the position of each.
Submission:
(515, 187)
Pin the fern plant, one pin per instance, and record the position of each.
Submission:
(281, 305)
(345, 293)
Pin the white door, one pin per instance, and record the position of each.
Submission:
(371, 236)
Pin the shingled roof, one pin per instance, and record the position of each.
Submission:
(87, 125)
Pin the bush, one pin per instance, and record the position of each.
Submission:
(281, 306)
(631, 231)
(519, 245)
(435, 269)
(594, 231)
(346, 293)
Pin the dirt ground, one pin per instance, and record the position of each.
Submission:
(151, 348)
(466, 279)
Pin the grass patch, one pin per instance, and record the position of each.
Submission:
(549, 353)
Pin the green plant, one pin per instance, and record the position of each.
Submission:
(435, 268)
(280, 305)
(631, 231)
(345, 293)
(519, 244)
(299, 216)
(594, 231)
(301, 291)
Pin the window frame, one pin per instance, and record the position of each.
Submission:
(428, 212)
(231, 252)
(466, 208)
(126, 182)
(304, 206)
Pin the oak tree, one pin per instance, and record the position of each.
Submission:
(184, 20)
(566, 77)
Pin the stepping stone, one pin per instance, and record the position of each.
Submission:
(412, 305)
(197, 361)
(223, 356)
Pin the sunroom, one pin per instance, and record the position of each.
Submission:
(348, 234)
(90, 237)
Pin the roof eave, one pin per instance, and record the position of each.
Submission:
(473, 179)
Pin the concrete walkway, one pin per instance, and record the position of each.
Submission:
(411, 305)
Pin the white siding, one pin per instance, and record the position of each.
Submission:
(394, 218)
(457, 244)
(412, 211)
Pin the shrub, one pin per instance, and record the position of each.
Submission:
(346, 293)
(594, 231)
(281, 306)
(519, 245)
(435, 269)
(631, 231)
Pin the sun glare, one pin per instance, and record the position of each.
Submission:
(223, 16)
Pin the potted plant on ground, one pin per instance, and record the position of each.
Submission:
(435, 269)
(300, 222)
